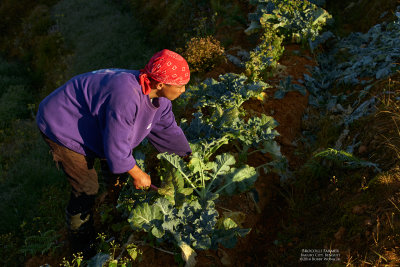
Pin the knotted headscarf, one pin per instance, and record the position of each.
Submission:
(166, 67)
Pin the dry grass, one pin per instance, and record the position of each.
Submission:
(203, 53)
(384, 246)
(381, 132)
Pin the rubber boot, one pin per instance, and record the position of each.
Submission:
(79, 220)
(81, 233)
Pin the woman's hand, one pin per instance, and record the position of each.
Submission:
(141, 180)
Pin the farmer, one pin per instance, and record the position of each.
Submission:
(105, 114)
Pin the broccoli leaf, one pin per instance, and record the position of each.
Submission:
(239, 180)
(146, 217)
(229, 232)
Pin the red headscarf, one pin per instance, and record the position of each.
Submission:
(166, 67)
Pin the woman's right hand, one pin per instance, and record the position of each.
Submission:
(141, 180)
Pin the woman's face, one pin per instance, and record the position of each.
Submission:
(172, 91)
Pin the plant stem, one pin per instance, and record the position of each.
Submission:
(160, 249)
(130, 240)
(222, 208)
(209, 185)
(253, 152)
(190, 182)
(221, 188)
(163, 250)
(261, 166)
(237, 147)
(203, 182)
(249, 194)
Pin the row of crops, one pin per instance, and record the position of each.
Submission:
(183, 210)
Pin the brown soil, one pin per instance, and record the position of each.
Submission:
(289, 110)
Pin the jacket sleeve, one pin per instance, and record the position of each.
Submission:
(167, 136)
(117, 143)
(118, 125)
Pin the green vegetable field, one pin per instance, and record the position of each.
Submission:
(292, 113)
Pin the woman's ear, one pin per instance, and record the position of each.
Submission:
(159, 85)
(155, 84)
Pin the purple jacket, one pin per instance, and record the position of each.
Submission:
(105, 114)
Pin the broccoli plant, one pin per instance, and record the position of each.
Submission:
(183, 211)
(231, 90)
(281, 21)
(210, 178)
(295, 20)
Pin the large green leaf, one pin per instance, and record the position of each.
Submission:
(228, 233)
(223, 163)
(228, 223)
(179, 164)
(198, 165)
(164, 206)
(239, 180)
(202, 242)
(168, 192)
(221, 167)
(228, 237)
(227, 117)
(175, 160)
(150, 217)
(174, 189)
(272, 148)
(170, 224)
(158, 231)
(144, 215)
